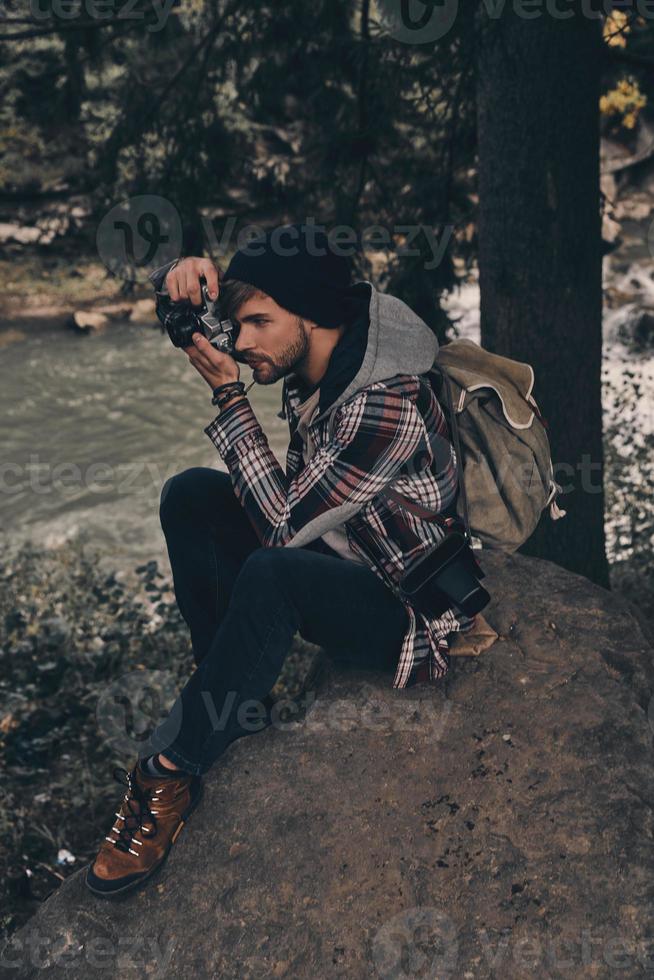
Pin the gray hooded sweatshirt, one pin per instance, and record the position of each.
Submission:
(384, 337)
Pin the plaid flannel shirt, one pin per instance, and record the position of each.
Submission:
(370, 439)
(367, 441)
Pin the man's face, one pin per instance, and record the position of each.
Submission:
(271, 339)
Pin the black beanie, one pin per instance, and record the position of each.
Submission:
(298, 267)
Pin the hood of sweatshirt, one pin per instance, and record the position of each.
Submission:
(384, 338)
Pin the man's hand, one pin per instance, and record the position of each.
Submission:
(183, 282)
(215, 366)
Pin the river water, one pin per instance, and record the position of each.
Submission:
(92, 428)
(94, 425)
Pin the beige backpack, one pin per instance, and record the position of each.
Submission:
(501, 437)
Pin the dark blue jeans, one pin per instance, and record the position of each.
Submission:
(243, 605)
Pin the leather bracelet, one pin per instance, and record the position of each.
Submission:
(227, 384)
(228, 397)
(230, 388)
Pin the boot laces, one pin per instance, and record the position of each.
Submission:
(139, 815)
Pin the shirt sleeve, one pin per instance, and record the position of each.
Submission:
(158, 277)
(375, 434)
(163, 303)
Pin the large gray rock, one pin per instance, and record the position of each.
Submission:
(500, 825)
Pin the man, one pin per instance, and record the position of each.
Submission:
(258, 553)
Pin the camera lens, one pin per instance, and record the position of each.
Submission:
(181, 324)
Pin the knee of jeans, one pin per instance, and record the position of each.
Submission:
(262, 567)
(172, 492)
(179, 491)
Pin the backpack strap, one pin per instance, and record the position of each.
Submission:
(417, 509)
(423, 511)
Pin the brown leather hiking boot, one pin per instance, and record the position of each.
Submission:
(151, 816)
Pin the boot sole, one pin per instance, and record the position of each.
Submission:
(155, 867)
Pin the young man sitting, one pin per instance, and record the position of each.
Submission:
(260, 552)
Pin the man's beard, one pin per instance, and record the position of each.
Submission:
(288, 359)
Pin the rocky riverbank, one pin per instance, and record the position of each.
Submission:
(51, 292)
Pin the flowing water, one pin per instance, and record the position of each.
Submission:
(94, 425)
(92, 428)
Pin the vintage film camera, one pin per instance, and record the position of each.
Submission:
(181, 320)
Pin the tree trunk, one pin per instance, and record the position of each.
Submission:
(540, 264)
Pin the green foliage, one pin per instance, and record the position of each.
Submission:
(266, 113)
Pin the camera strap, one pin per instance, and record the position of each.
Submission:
(457, 448)
(417, 509)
